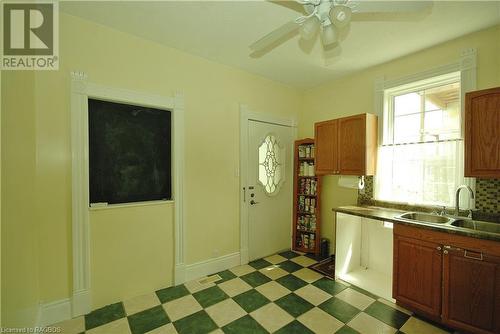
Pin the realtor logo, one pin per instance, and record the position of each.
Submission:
(30, 36)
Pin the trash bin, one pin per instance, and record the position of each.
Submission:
(325, 248)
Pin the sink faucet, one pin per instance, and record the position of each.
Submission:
(457, 197)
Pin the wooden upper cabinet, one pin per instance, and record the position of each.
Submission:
(347, 146)
(417, 274)
(326, 139)
(482, 133)
(471, 290)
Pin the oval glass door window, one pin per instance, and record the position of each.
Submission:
(270, 164)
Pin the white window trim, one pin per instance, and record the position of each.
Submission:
(466, 64)
(81, 90)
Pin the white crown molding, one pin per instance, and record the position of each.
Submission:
(468, 59)
(78, 75)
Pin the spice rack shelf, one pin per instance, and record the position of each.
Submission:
(306, 192)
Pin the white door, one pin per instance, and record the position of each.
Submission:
(269, 193)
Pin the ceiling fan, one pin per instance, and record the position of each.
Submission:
(332, 18)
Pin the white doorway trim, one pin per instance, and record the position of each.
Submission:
(246, 115)
(81, 90)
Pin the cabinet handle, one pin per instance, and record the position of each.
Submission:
(480, 257)
(438, 248)
(452, 248)
(445, 252)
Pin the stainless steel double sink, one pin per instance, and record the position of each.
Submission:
(458, 222)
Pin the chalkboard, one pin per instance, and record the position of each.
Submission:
(129, 153)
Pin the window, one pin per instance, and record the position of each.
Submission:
(129, 153)
(270, 164)
(421, 158)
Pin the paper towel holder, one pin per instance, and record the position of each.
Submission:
(361, 183)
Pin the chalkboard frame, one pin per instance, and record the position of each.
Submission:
(144, 135)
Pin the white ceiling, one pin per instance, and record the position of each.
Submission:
(222, 30)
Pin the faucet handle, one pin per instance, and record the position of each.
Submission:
(440, 210)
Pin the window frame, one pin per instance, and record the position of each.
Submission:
(465, 63)
(414, 87)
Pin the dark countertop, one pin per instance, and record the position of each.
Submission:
(389, 215)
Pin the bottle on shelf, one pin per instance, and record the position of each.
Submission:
(306, 206)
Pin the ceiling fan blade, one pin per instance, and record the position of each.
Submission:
(275, 37)
(290, 4)
(390, 6)
(394, 16)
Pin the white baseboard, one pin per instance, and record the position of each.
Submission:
(244, 256)
(64, 309)
(54, 312)
(211, 266)
(180, 274)
(81, 303)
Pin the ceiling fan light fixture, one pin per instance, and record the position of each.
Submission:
(340, 15)
(309, 28)
(329, 36)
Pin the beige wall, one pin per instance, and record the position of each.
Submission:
(0, 199)
(132, 248)
(130, 260)
(355, 94)
(119, 236)
(20, 260)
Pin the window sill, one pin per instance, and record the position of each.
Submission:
(131, 205)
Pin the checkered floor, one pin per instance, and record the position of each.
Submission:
(277, 294)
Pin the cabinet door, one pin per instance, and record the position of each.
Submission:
(352, 145)
(482, 133)
(326, 139)
(417, 275)
(471, 291)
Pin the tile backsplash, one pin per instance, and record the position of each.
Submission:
(487, 194)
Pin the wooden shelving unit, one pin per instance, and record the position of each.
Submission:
(306, 199)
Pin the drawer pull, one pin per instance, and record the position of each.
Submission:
(474, 256)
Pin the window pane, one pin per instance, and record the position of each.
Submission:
(407, 129)
(440, 97)
(270, 164)
(442, 117)
(407, 104)
(425, 173)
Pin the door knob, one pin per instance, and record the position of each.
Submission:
(252, 202)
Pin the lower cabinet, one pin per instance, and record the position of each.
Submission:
(417, 274)
(471, 290)
(448, 278)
